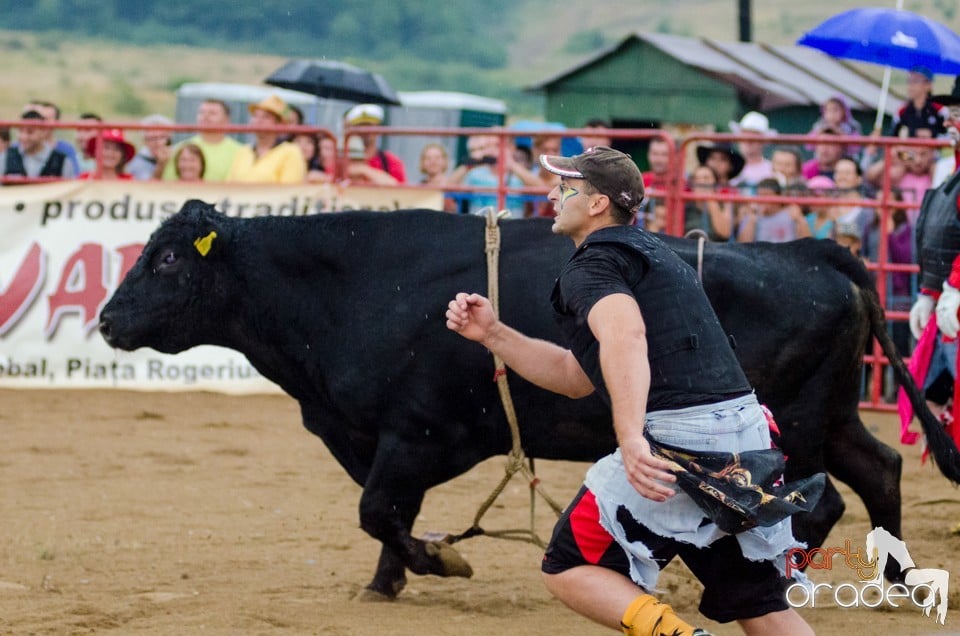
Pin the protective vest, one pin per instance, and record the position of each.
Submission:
(690, 355)
(938, 233)
(53, 167)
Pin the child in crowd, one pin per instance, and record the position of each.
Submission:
(835, 114)
(772, 222)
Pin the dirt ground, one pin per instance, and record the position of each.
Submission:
(139, 513)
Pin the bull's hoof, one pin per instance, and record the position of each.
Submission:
(383, 588)
(370, 595)
(453, 564)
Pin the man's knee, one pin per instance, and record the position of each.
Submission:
(553, 583)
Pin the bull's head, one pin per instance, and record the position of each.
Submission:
(175, 295)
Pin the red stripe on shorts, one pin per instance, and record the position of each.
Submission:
(591, 538)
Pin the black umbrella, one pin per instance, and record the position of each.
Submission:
(334, 80)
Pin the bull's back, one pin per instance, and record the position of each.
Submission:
(791, 308)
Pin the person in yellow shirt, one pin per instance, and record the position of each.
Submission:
(268, 160)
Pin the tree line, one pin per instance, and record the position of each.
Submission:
(455, 31)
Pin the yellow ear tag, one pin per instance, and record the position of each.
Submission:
(203, 244)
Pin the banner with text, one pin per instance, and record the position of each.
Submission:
(65, 246)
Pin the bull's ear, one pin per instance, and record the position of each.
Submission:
(211, 230)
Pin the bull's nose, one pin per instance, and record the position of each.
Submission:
(106, 327)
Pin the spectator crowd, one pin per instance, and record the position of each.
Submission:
(848, 175)
(841, 180)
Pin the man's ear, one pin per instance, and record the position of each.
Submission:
(598, 204)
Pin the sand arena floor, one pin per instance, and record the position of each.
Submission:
(197, 513)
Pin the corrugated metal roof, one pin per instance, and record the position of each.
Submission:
(775, 76)
(706, 56)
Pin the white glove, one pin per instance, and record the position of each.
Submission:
(953, 133)
(947, 308)
(920, 314)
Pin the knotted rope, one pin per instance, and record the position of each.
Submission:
(515, 460)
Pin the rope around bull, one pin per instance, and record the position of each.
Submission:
(515, 459)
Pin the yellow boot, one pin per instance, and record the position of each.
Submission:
(646, 616)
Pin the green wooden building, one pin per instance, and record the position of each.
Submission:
(658, 80)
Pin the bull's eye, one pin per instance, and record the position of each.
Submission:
(165, 260)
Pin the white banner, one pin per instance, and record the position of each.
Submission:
(65, 246)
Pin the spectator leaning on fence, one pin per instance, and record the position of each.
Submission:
(84, 135)
(34, 154)
(219, 149)
(188, 162)
(267, 161)
(51, 112)
(755, 168)
(4, 144)
(481, 168)
(772, 222)
(153, 155)
(115, 153)
(389, 166)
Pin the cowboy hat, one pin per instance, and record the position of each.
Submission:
(273, 105)
(952, 98)
(736, 159)
(753, 122)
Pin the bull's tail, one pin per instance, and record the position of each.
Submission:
(941, 445)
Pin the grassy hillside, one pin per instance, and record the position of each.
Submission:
(115, 80)
(125, 82)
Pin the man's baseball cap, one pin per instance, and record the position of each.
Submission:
(609, 171)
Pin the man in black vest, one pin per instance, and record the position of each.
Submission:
(643, 335)
(33, 156)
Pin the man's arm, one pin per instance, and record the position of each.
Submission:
(544, 363)
(618, 326)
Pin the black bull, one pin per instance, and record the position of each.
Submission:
(346, 313)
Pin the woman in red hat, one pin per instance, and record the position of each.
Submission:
(114, 154)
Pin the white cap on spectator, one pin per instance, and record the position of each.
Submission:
(753, 122)
(370, 114)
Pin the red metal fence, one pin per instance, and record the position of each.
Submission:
(673, 194)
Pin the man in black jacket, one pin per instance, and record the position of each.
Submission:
(643, 335)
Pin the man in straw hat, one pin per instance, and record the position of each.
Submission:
(642, 335)
(268, 160)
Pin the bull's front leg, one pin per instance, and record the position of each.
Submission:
(389, 579)
(390, 503)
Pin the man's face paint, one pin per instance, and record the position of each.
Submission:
(566, 191)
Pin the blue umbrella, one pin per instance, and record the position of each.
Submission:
(891, 37)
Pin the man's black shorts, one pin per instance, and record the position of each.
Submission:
(733, 586)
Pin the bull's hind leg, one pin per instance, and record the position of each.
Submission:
(813, 527)
(872, 469)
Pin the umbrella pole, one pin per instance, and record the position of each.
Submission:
(884, 89)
